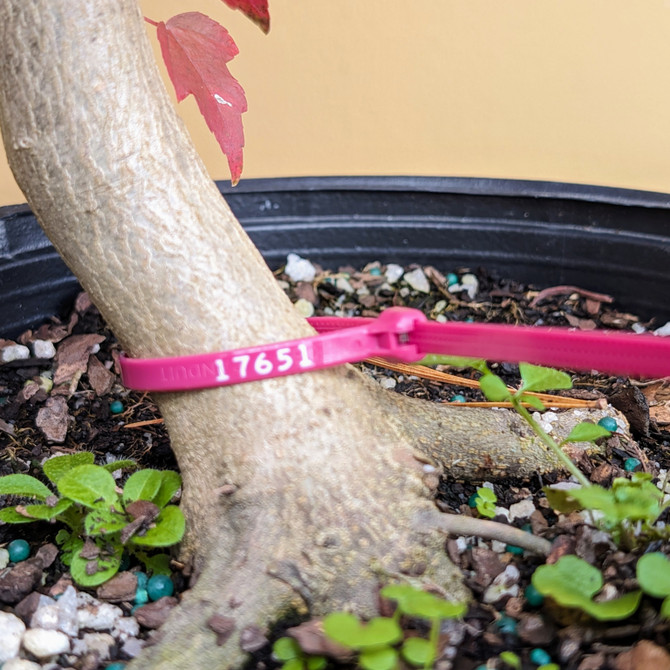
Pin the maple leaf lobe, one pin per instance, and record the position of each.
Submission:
(256, 10)
(196, 49)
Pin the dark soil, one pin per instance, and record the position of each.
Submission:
(508, 624)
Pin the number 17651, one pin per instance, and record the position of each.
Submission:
(261, 364)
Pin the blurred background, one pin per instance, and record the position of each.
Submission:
(569, 90)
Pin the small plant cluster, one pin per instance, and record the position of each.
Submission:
(484, 500)
(379, 643)
(572, 582)
(102, 521)
(628, 510)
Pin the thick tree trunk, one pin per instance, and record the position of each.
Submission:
(326, 486)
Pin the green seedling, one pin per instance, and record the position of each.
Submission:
(629, 509)
(416, 603)
(534, 378)
(485, 502)
(372, 640)
(572, 582)
(287, 651)
(376, 641)
(653, 575)
(101, 520)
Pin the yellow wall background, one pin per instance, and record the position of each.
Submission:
(566, 90)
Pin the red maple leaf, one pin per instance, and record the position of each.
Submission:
(256, 10)
(195, 49)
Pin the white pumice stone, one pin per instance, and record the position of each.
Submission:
(393, 273)
(100, 643)
(11, 634)
(505, 584)
(132, 647)
(98, 616)
(304, 307)
(126, 627)
(21, 664)
(14, 352)
(470, 285)
(44, 643)
(44, 349)
(417, 280)
(522, 509)
(299, 269)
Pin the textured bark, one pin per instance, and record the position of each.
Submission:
(299, 492)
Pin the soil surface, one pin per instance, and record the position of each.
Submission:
(62, 394)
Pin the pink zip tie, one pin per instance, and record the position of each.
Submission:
(403, 334)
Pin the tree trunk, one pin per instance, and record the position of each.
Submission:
(327, 479)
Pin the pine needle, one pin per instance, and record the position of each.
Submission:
(445, 378)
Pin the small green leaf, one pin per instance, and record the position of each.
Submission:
(10, 515)
(486, 494)
(427, 606)
(586, 432)
(665, 608)
(533, 401)
(46, 512)
(24, 485)
(485, 509)
(618, 608)
(142, 485)
(511, 659)
(347, 630)
(418, 651)
(455, 362)
(56, 467)
(102, 521)
(69, 544)
(400, 593)
(383, 658)
(169, 529)
(561, 500)
(316, 662)
(294, 664)
(538, 378)
(653, 574)
(286, 648)
(418, 603)
(89, 485)
(568, 581)
(572, 582)
(107, 565)
(126, 464)
(486, 502)
(626, 500)
(494, 388)
(159, 564)
(170, 484)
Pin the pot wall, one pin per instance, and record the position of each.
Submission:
(608, 240)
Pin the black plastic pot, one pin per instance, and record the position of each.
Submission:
(608, 240)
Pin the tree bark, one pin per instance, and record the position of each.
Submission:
(328, 479)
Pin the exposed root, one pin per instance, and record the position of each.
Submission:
(455, 524)
(320, 519)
